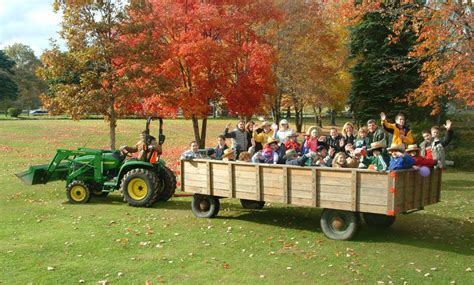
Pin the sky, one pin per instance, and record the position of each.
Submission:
(30, 22)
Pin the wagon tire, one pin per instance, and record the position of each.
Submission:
(253, 205)
(78, 192)
(378, 220)
(139, 186)
(338, 224)
(204, 206)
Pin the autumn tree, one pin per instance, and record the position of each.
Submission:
(312, 52)
(380, 82)
(210, 53)
(29, 85)
(8, 87)
(85, 79)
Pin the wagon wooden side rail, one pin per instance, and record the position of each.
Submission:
(343, 193)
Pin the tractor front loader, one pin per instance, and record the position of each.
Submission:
(95, 172)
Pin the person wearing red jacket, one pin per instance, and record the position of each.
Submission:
(414, 151)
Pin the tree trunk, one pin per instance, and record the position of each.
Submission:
(276, 115)
(112, 126)
(320, 119)
(316, 118)
(333, 117)
(288, 113)
(299, 119)
(202, 143)
(197, 138)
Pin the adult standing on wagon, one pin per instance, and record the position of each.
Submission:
(238, 136)
(401, 134)
(375, 134)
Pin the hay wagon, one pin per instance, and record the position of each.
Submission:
(342, 193)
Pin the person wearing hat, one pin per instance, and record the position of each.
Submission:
(323, 158)
(261, 135)
(378, 160)
(399, 159)
(292, 158)
(292, 142)
(311, 141)
(283, 131)
(229, 155)
(269, 154)
(414, 151)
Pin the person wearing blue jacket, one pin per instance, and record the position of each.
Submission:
(399, 159)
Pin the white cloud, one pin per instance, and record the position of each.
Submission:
(31, 23)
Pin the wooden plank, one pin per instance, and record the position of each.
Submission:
(209, 177)
(341, 197)
(183, 175)
(231, 180)
(301, 202)
(258, 184)
(343, 181)
(354, 188)
(195, 189)
(300, 186)
(222, 193)
(245, 188)
(300, 179)
(301, 194)
(245, 195)
(438, 190)
(286, 190)
(314, 180)
(375, 192)
(300, 172)
(334, 189)
(376, 209)
(196, 183)
(335, 205)
(244, 182)
(272, 198)
(271, 170)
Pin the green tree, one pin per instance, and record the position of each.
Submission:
(30, 86)
(87, 78)
(8, 87)
(380, 82)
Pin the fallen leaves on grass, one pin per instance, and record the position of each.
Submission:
(226, 265)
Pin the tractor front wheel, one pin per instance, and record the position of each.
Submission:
(204, 206)
(78, 192)
(138, 187)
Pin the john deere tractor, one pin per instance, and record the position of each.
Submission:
(94, 172)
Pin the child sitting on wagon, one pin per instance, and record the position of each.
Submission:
(379, 160)
(399, 159)
(339, 160)
(414, 151)
(292, 142)
(311, 140)
(362, 138)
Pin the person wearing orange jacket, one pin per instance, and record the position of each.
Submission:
(401, 134)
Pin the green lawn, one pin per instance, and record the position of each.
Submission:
(44, 239)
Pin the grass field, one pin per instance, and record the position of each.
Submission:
(44, 239)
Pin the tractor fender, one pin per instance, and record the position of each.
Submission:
(132, 164)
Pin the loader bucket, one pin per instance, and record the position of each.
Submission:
(38, 174)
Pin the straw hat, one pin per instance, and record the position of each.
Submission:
(396, 147)
(228, 152)
(412, 147)
(310, 129)
(266, 123)
(289, 153)
(377, 145)
(283, 121)
(272, 140)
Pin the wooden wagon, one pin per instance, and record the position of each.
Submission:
(342, 193)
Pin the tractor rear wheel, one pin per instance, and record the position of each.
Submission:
(139, 187)
(167, 184)
(78, 192)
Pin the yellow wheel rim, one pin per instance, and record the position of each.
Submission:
(137, 189)
(78, 193)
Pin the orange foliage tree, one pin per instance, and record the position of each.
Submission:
(444, 46)
(207, 52)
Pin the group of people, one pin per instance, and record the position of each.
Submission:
(387, 147)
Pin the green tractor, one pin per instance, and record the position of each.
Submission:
(94, 172)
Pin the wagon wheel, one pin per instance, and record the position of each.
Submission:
(378, 220)
(338, 224)
(250, 204)
(204, 206)
(77, 192)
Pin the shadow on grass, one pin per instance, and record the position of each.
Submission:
(419, 230)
